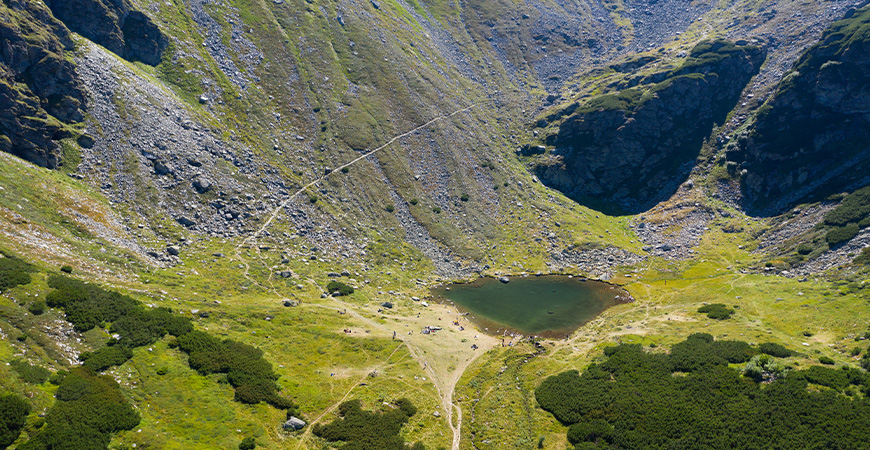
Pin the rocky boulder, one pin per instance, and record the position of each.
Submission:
(294, 424)
(626, 151)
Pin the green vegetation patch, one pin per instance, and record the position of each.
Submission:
(853, 209)
(717, 311)
(849, 217)
(691, 398)
(246, 369)
(30, 373)
(703, 58)
(338, 288)
(106, 357)
(14, 272)
(88, 410)
(863, 259)
(777, 350)
(87, 305)
(14, 410)
(367, 430)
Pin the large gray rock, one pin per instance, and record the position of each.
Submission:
(294, 423)
(202, 186)
(186, 221)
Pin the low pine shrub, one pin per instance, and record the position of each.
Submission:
(717, 311)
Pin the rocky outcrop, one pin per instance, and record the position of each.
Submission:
(39, 89)
(626, 151)
(812, 138)
(114, 24)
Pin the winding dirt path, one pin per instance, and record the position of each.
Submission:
(444, 374)
(443, 379)
(286, 201)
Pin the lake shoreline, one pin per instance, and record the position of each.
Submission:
(574, 305)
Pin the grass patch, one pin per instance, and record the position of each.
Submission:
(30, 373)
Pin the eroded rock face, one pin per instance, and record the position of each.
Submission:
(625, 152)
(115, 25)
(812, 138)
(39, 89)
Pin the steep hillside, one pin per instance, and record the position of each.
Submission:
(223, 220)
(40, 93)
(810, 139)
(629, 150)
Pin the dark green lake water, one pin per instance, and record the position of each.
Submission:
(550, 306)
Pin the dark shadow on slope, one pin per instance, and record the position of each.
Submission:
(812, 138)
(624, 152)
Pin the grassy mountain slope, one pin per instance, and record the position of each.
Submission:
(215, 185)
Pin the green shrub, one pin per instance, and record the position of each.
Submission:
(633, 399)
(826, 360)
(836, 379)
(106, 357)
(464, 197)
(14, 272)
(141, 327)
(805, 249)
(87, 305)
(390, 208)
(764, 368)
(362, 430)
(57, 377)
(717, 311)
(37, 307)
(247, 371)
(593, 431)
(436, 210)
(30, 373)
(345, 169)
(248, 443)
(777, 350)
(66, 269)
(14, 410)
(162, 371)
(414, 201)
(312, 199)
(864, 258)
(338, 288)
(853, 209)
(700, 351)
(88, 410)
(841, 234)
